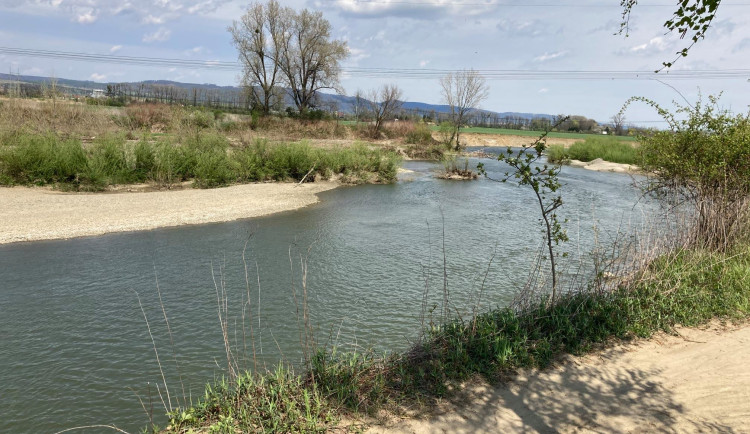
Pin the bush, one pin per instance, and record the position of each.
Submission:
(420, 135)
(704, 161)
(147, 115)
(42, 159)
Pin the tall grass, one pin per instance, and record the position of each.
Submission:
(205, 158)
(608, 149)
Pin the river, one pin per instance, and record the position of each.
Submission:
(76, 350)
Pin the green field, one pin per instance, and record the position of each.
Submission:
(509, 132)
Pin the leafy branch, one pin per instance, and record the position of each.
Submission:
(543, 180)
(692, 16)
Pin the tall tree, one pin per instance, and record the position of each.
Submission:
(360, 105)
(384, 104)
(692, 17)
(618, 121)
(309, 59)
(463, 91)
(259, 36)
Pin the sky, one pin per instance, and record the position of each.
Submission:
(424, 35)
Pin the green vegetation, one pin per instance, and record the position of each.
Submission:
(607, 148)
(206, 159)
(703, 161)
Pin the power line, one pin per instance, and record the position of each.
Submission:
(392, 72)
(509, 5)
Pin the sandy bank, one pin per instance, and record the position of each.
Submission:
(698, 381)
(30, 214)
(600, 165)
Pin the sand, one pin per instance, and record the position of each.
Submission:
(600, 165)
(506, 140)
(32, 214)
(698, 381)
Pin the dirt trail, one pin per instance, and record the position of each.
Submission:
(31, 214)
(698, 381)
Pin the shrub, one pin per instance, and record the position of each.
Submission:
(420, 135)
(147, 115)
(704, 161)
(42, 159)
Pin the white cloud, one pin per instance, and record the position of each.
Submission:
(115, 49)
(357, 54)
(195, 50)
(655, 45)
(97, 77)
(417, 10)
(523, 29)
(160, 35)
(423, 63)
(743, 45)
(550, 56)
(86, 17)
(150, 19)
(543, 90)
(88, 11)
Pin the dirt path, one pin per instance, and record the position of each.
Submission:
(698, 381)
(31, 214)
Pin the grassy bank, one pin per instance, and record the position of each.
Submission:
(206, 159)
(687, 287)
(607, 148)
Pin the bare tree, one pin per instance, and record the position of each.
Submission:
(360, 104)
(463, 91)
(384, 104)
(309, 58)
(259, 37)
(618, 121)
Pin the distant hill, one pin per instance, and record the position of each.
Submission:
(341, 103)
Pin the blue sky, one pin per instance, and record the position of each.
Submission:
(541, 35)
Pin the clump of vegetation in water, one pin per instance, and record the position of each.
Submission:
(454, 169)
(606, 148)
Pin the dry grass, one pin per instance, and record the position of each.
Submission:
(66, 119)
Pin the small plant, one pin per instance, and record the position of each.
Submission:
(544, 182)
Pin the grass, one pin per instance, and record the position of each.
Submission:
(608, 149)
(686, 287)
(205, 158)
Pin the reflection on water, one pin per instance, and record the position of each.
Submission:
(75, 348)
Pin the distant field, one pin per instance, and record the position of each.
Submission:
(509, 132)
(559, 135)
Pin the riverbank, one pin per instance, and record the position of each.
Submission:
(695, 380)
(34, 214)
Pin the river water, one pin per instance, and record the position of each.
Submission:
(76, 350)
